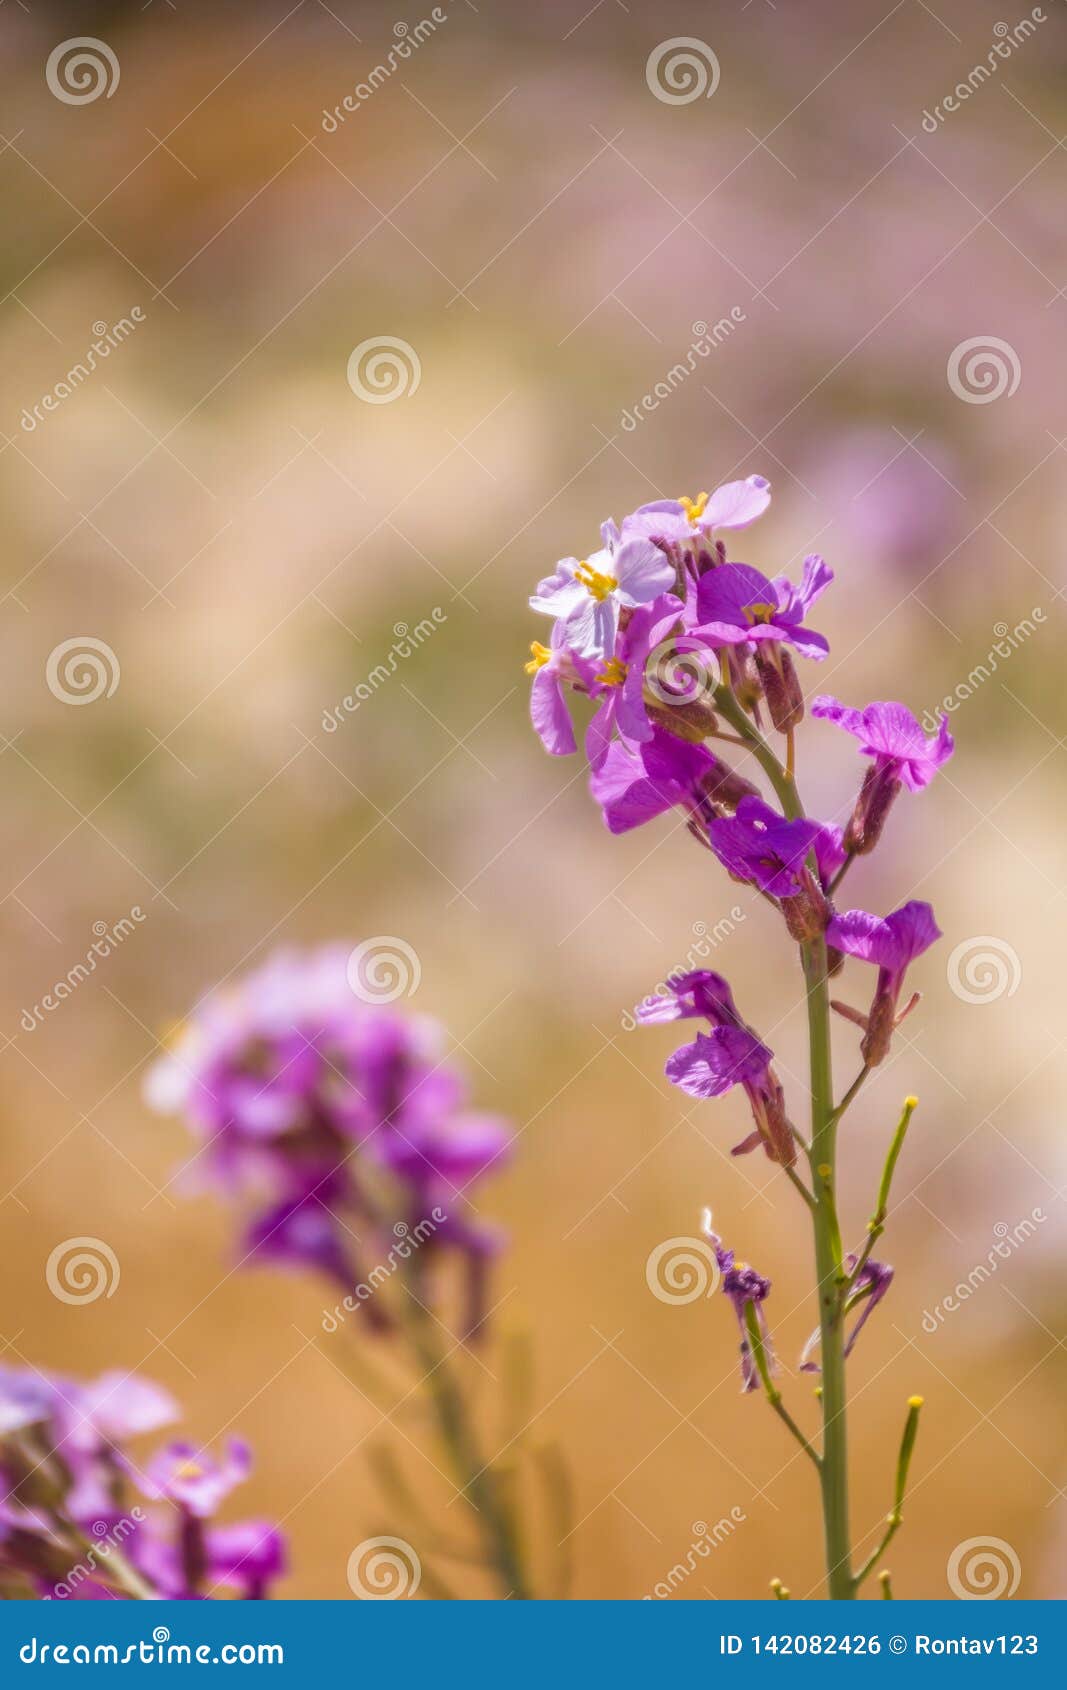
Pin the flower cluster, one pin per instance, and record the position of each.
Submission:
(681, 651)
(340, 1118)
(69, 1524)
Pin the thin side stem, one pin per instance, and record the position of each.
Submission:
(894, 1519)
(876, 1224)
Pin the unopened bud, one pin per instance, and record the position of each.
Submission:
(873, 805)
(781, 688)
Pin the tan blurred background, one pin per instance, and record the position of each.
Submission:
(218, 506)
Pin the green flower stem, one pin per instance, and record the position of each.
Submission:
(477, 1481)
(829, 1273)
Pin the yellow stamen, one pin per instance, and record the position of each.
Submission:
(188, 1470)
(613, 673)
(598, 585)
(760, 612)
(693, 508)
(540, 656)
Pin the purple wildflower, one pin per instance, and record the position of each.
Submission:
(338, 1116)
(730, 1055)
(736, 605)
(587, 596)
(903, 756)
(683, 527)
(66, 1472)
(761, 847)
(666, 772)
(891, 943)
(742, 1286)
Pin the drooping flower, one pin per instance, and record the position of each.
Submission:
(903, 756)
(872, 1283)
(635, 787)
(743, 1287)
(891, 943)
(730, 1055)
(588, 595)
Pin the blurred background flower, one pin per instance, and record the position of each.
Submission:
(578, 296)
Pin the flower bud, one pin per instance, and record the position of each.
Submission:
(781, 688)
(880, 787)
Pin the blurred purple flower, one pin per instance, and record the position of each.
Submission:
(891, 943)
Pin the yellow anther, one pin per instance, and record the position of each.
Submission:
(613, 673)
(597, 584)
(540, 655)
(760, 612)
(693, 508)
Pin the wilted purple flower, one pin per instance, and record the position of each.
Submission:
(872, 1283)
(587, 596)
(743, 1286)
(736, 605)
(891, 943)
(730, 1055)
(902, 756)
